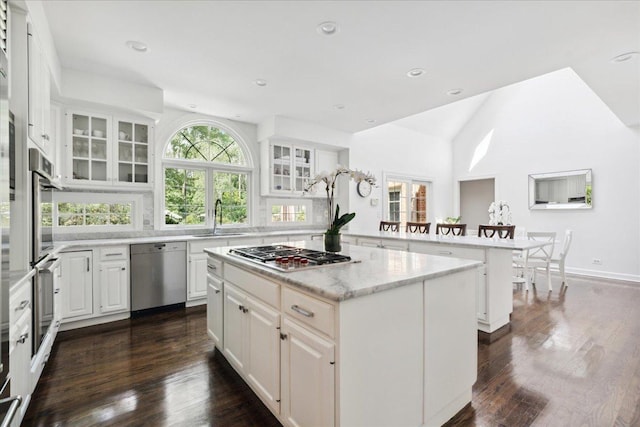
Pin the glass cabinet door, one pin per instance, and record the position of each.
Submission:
(281, 163)
(133, 152)
(89, 152)
(302, 164)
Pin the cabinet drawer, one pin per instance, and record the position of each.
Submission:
(257, 286)
(20, 301)
(113, 253)
(214, 267)
(309, 310)
(198, 246)
(448, 250)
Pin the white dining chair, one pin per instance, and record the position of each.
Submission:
(535, 258)
(558, 261)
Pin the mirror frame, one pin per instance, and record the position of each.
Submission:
(588, 197)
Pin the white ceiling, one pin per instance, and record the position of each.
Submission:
(209, 53)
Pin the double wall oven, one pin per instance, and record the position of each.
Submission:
(42, 187)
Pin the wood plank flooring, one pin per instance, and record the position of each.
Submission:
(571, 359)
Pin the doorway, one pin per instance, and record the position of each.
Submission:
(475, 198)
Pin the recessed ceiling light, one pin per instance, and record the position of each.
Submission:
(327, 28)
(137, 46)
(260, 82)
(415, 72)
(370, 121)
(454, 92)
(339, 106)
(624, 57)
(192, 106)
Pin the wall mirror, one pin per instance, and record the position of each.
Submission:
(561, 190)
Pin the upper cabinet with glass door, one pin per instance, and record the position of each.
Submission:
(289, 168)
(133, 153)
(88, 154)
(107, 152)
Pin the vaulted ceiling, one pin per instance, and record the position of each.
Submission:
(207, 55)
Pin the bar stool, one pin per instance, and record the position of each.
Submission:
(389, 226)
(451, 229)
(417, 227)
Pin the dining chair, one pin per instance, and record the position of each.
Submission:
(389, 226)
(418, 227)
(558, 261)
(536, 258)
(451, 229)
(500, 231)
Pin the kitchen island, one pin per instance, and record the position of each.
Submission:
(495, 285)
(387, 339)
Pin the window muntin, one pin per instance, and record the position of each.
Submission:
(224, 173)
(80, 214)
(205, 143)
(289, 212)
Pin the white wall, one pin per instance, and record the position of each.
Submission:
(398, 150)
(554, 123)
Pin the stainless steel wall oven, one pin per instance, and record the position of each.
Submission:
(41, 205)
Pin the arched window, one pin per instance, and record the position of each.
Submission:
(203, 164)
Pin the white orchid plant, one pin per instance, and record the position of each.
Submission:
(499, 213)
(335, 221)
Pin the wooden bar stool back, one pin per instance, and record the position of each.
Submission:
(451, 229)
(418, 227)
(500, 231)
(389, 226)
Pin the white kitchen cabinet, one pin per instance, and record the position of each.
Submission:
(252, 342)
(308, 378)
(20, 343)
(215, 303)
(39, 96)
(285, 168)
(197, 283)
(114, 286)
(88, 150)
(133, 152)
(77, 284)
(107, 152)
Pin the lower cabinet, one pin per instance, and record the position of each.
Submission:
(94, 284)
(252, 343)
(214, 310)
(114, 286)
(308, 379)
(197, 283)
(77, 283)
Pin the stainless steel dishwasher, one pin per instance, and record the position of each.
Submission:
(158, 275)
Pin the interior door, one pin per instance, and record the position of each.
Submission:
(475, 198)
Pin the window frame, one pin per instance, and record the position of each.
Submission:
(210, 169)
(409, 180)
(137, 208)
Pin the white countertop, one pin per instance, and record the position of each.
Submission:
(376, 270)
(83, 244)
(466, 241)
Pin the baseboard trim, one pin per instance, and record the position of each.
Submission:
(604, 274)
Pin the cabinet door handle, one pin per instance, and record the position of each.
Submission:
(298, 309)
(23, 305)
(123, 268)
(56, 291)
(216, 290)
(114, 254)
(23, 338)
(87, 264)
(445, 253)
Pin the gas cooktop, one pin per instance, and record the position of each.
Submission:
(289, 258)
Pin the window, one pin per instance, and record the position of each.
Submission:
(406, 199)
(94, 212)
(203, 164)
(289, 212)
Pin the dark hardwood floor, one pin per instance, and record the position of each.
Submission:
(571, 359)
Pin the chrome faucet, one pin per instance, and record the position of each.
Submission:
(215, 214)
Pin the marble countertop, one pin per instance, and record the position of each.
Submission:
(62, 246)
(375, 270)
(466, 241)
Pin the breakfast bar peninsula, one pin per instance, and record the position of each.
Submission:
(379, 338)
